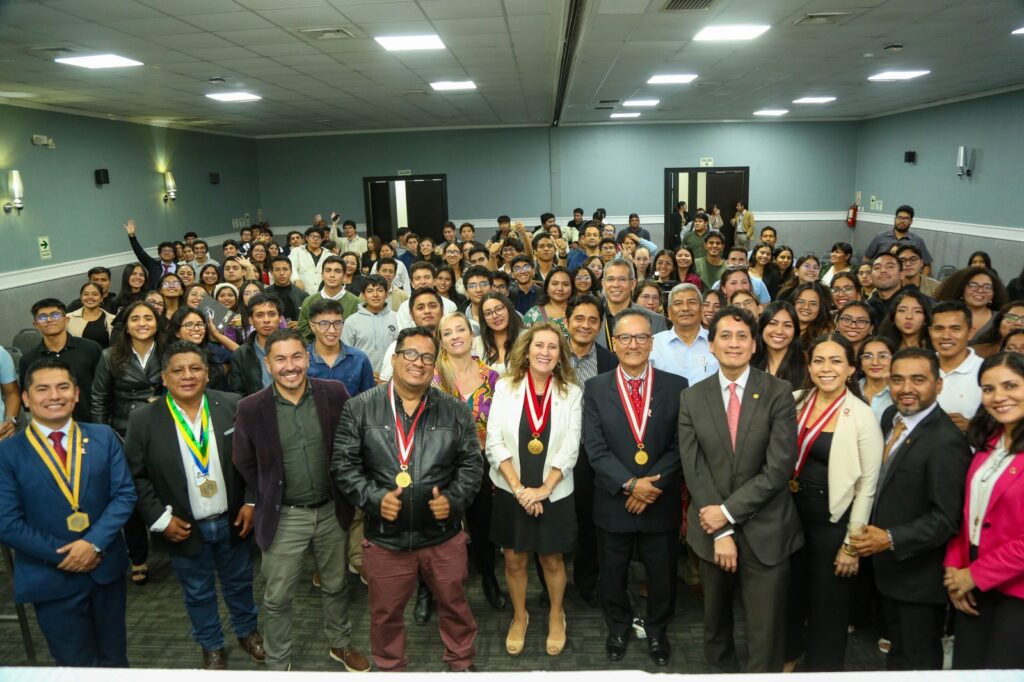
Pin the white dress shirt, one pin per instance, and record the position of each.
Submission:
(46, 431)
(961, 393)
(983, 483)
(143, 359)
(911, 422)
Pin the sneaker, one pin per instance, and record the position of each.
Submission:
(353, 661)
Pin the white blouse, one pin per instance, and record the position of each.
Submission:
(983, 483)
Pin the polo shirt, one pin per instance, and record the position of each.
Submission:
(960, 391)
(82, 355)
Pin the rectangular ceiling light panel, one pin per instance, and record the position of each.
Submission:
(742, 32)
(99, 61)
(403, 43)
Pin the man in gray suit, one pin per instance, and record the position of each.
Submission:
(737, 440)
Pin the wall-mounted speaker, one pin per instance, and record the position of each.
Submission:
(102, 176)
(909, 157)
(214, 178)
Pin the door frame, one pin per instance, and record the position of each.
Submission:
(672, 173)
(422, 177)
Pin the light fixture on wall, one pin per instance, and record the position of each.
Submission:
(170, 186)
(18, 192)
(964, 161)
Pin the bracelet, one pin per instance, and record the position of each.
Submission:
(892, 544)
(518, 490)
(848, 550)
(632, 485)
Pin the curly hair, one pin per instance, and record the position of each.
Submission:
(953, 287)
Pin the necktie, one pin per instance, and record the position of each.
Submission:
(733, 413)
(56, 437)
(167, 269)
(634, 395)
(898, 427)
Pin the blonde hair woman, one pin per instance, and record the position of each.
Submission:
(533, 439)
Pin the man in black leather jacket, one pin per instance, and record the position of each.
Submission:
(409, 457)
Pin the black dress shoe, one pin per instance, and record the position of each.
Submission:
(492, 593)
(424, 605)
(659, 650)
(615, 647)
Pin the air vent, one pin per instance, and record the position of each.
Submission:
(708, 84)
(686, 5)
(821, 18)
(326, 33)
(608, 101)
(414, 92)
(599, 108)
(56, 50)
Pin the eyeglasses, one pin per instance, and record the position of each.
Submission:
(522, 268)
(910, 260)
(876, 356)
(842, 291)
(410, 356)
(192, 325)
(854, 322)
(626, 339)
(983, 288)
(494, 312)
(324, 325)
(617, 280)
(478, 285)
(582, 278)
(1013, 319)
(52, 317)
(170, 285)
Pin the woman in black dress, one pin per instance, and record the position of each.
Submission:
(533, 438)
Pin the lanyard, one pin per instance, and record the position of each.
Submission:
(808, 434)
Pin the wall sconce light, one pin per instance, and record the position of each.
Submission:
(170, 187)
(964, 161)
(18, 190)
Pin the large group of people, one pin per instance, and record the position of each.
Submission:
(836, 441)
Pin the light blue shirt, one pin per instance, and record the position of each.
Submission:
(879, 402)
(7, 373)
(261, 355)
(694, 362)
(759, 290)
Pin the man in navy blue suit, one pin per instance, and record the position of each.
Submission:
(65, 494)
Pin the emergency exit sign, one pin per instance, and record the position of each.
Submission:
(707, 161)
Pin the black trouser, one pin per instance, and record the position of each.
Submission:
(478, 520)
(915, 631)
(136, 536)
(658, 553)
(992, 639)
(584, 561)
(763, 589)
(819, 600)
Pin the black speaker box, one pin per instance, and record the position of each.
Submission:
(909, 157)
(214, 178)
(102, 176)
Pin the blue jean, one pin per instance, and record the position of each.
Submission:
(233, 564)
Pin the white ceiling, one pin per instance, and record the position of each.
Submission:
(510, 48)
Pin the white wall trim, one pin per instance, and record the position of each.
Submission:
(45, 273)
(1014, 234)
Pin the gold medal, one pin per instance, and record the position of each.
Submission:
(535, 446)
(641, 457)
(208, 488)
(794, 485)
(403, 479)
(78, 521)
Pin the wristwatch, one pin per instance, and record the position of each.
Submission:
(96, 548)
(14, 420)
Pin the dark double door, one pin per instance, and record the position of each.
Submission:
(704, 188)
(419, 202)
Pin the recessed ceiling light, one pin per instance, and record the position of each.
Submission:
(233, 96)
(743, 32)
(771, 112)
(897, 75)
(453, 85)
(1018, 32)
(631, 114)
(15, 94)
(669, 78)
(402, 43)
(814, 100)
(99, 61)
(641, 103)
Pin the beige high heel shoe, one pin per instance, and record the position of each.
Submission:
(514, 644)
(555, 646)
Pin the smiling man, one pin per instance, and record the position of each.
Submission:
(329, 358)
(950, 331)
(684, 350)
(282, 447)
(618, 282)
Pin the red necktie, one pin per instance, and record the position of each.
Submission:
(167, 269)
(635, 397)
(56, 437)
(733, 413)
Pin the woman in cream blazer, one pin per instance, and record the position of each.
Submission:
(91, 298)
(533, 439)
(839, 456)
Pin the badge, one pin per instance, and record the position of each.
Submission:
(208, 488)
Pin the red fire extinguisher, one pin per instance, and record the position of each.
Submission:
(851, 216)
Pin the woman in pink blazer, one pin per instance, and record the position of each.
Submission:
(985, 562)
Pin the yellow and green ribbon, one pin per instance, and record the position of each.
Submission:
(199, 449)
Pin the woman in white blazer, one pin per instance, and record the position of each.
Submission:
(839, 446)
(91, 321)
(533, 439)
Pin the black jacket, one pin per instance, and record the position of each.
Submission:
(151, 447)
(920, 501)
(154, 268)
(246, 375)
(114, 397)
(446, 454)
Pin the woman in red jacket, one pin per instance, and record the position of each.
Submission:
(985, 562)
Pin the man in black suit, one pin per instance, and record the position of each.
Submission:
(629, 424)
(918, 508)
(583, 320)
(191, 495)
(737, 440)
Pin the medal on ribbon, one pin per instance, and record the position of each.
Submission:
(806, 435)
(68, 474)
(637, 422)
(405, 441)
(537, 415)
(199, 448)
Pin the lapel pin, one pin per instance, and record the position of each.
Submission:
(650, 413)
(1013, 470)
(846, 411)
(756, 396)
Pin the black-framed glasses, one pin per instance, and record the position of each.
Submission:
(43, 318)
(626, 339)
(983, 288)
(494, 312)
(409, 355)
(193, 325)
(843, 291)
(854, 322)
(324, 325)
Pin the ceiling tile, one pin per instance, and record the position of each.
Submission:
(228, 21)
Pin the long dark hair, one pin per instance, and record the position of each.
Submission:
(178, 318)
(992, 335)
(542, 299)
(822, 324)
(121, 341)
(515, 327)
(852, 384)
(793, 367)
(125, 295)
(889, 328)
(877, 338)
(983, 427)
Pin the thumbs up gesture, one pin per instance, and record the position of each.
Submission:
(439, 505)
(391, 504)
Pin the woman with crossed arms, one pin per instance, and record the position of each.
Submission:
(533, 439)
(839, 446)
